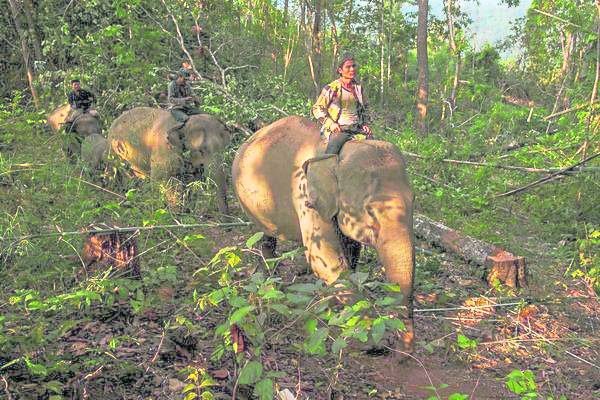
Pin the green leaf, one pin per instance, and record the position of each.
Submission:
(36, 369)
(190, 396)
(238, 315)
(395, 324)
(458, 396)
(338, 345)
(387, 301)
(311, 325)
(251, 373)
(304, 287)
(280, 308)
(207, 396)
(264, 389)
(361, 305)
(54, 386)
(465, 343)
(378, 329)
(188, 387)
(297, 299)
(254, 239)
(316, 341)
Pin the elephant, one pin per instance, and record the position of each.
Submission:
(150, 141)
(331, 204)
(86, 128)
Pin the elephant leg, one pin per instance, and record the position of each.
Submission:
(324, 251)
(352, 250)
(267, 246)
(73, 147)
(221, 181)
(351, 247)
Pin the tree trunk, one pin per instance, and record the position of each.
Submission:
(285, 10)
(316, 45)
(25, 51)
(382, 52)
(597, 78)
(29, 16)
(500, 264)
(423, 64)
(456, 53)
(334, 38)
(347, 24)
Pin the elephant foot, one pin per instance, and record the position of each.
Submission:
(268, 246)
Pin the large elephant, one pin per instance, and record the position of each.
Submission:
(148, 140)
(332, 204)
(86, 131)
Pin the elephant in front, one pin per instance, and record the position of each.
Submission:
(332, 204)
(86, 138)
(150, 141)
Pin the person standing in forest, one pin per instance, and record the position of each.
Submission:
(342, 108)
(81, 102)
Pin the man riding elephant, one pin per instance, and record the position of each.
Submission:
(342, 108)
(81, 102)
(182, 102)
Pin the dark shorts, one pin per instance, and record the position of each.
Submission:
(337, 140)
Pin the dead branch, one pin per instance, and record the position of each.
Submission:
(499, 166)
(132, 229)
(547, 178)
(568, 110)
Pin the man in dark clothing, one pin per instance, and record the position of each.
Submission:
(81, 102)
(182, 102)
(79, 98)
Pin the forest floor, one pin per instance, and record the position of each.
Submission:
(61, 342)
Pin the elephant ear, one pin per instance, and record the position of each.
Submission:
(322, 184)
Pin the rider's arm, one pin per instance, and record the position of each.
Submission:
(72, 100)
(320, 110)
(177, 101)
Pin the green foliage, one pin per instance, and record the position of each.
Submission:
(522, 383)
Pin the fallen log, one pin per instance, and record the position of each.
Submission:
(499, 264)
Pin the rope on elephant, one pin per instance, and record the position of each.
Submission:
(129, 229)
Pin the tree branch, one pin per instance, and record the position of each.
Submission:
(547, 178)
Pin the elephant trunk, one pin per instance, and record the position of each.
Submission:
(395, 248)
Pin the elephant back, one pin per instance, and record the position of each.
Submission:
(57, 117)
(139, 136)
(267, 166)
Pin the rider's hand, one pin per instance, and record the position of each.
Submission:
(335, 127)
(188, 98)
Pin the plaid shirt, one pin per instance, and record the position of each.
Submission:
(327, 109)
(81, 100)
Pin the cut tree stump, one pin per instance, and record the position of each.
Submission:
(499, 264)
(116, 249)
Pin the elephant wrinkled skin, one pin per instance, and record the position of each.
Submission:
(86, 133)
(144, 137)
(291, 190)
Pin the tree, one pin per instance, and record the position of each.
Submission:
(25, 51)
(423, 67)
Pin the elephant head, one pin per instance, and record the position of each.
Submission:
(85, 125)
(366, 191)
(85, 128)
(331, 204)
